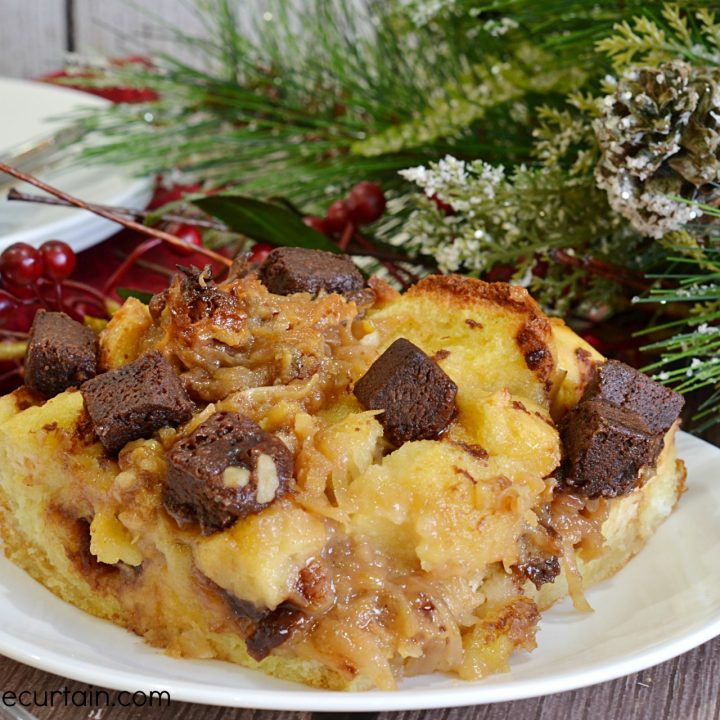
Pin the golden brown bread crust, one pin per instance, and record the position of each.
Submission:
(534, 338)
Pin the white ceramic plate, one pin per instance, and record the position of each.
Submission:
(663, 603)
(31, 112)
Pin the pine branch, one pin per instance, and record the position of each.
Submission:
(691, 356)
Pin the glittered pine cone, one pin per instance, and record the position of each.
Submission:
(659, 136)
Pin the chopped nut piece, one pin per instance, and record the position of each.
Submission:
(267, 479)
(236, 477)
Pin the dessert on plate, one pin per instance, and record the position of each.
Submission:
(306, 473)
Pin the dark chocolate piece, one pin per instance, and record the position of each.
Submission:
(605, 448)
(274, 629)
(61, 353)
(417, 396)
(289, 270)
(135, 400)
(227, 469)
(540, 570)
(625, 387)
(265, 629)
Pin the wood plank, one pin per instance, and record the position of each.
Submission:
(32, 37)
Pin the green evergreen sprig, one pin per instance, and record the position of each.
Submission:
(690, 358)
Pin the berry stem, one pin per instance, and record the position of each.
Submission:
(113, 216)
(96, 294)
(346, 236)
(80, 316)
(129, 261)
(394, 269)
(593, 266)
(39, 296)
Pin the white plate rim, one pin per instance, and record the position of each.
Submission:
(456, 693)
(80, 228)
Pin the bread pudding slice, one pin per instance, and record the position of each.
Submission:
(336, 484)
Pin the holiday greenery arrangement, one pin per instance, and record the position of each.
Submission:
(569, 146)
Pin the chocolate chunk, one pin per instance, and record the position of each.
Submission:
(274, 629)
(289, 270)
(417, 396)
(265, 629)
(61, 353)
(605, 448)
(540, 570)
(135, 400)
(228, 468)
(624, 386)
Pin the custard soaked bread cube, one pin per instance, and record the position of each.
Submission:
(336, 484)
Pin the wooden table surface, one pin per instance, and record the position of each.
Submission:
(686, 688)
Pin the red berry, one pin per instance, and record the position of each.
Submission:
(8, 308)
(593, 340)
(190, 235)
(442, 206)
(259, 252)
(366, 203)
(163, 195)
(316, 223)
(24, 292)
(58, 260)
(338, 217)
(21, 264)
(500, 273)
(540, 268)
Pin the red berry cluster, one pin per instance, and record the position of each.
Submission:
(37, 277)
(364, 205)
(22, 266)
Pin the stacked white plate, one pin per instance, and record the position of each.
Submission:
(32, 112)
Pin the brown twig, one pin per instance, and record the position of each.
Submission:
(401, 274)
(130, 260)
(14, 194)
(616, 273)
(368, 251)
(152, 267)
(113, 216)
